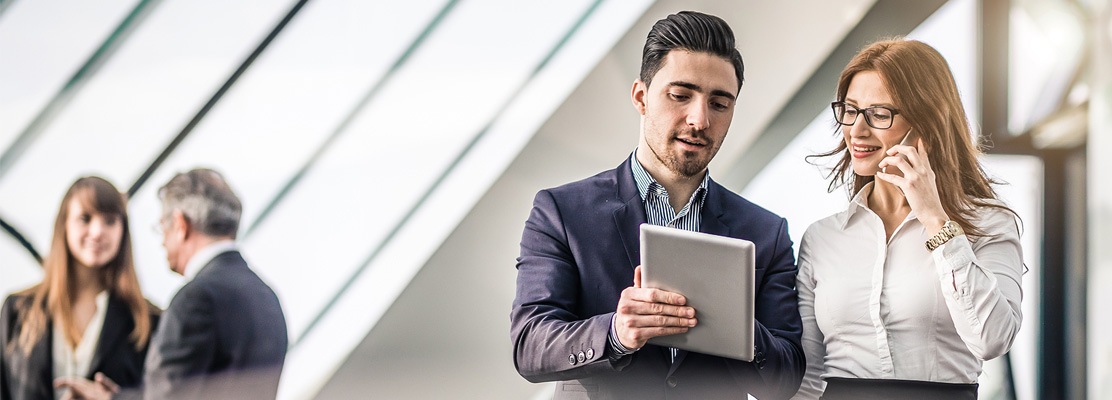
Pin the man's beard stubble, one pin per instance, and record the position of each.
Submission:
(689, 166)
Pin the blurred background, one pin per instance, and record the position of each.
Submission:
(387, 153)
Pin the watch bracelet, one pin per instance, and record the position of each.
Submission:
(949, 230)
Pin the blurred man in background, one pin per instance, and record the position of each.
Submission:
(224, 334)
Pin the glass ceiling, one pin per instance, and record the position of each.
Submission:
(65, 37)
(351, 138)
(125, 113)
(338, 137)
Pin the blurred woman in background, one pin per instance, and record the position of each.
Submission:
(88, 316)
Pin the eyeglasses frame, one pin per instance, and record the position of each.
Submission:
(867, 111)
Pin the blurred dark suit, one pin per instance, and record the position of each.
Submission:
(222, 337)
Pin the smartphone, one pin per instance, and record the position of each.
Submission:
(908, 140)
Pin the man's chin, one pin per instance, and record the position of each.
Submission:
(689, 169)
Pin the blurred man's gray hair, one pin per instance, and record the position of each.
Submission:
(205, 199)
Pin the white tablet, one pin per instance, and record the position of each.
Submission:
(716, 275)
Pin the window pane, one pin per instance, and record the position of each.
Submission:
(142, 96)
(19, 269)
(44, 42)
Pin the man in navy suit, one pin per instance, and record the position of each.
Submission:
(576, 318)
(224, 334)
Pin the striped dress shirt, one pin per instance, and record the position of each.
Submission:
(658, 211)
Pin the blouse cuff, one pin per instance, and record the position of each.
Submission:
(953, 261)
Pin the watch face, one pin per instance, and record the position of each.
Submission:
(952, 227)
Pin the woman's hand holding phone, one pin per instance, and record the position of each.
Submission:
(906, 141)
(918, 180)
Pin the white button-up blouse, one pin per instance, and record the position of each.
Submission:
(891, 309)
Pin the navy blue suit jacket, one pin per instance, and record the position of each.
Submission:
(578, 252)
(222, 337)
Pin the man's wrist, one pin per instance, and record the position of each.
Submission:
(616, 346)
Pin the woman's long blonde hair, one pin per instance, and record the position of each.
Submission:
(53, 297)
(923, 89)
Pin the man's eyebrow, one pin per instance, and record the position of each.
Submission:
(697, 88)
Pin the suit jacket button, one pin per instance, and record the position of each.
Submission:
(572, 360)
(673, 382)
(590, 354)
(582, 357)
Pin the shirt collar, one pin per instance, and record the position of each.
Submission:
(205, 255)
(859, 202)
(644, 180)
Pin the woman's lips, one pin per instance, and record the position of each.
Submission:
(860, 151)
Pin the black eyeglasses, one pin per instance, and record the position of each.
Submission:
(878, 117)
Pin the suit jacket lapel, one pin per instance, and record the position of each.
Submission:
(116, 328)
(713, 213)
(630, 214)
(41, 360)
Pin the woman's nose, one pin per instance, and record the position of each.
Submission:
(96, 227)
(859, 128)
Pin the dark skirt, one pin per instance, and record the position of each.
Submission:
(883, 389)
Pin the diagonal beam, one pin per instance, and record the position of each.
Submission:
(355, 111)
(185, 131)
(74, 84)
(4, 4)
(369, 260)
(14, 233)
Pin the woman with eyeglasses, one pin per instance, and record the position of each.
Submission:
(905, 293)
(88, 317)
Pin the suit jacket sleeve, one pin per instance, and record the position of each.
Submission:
(184, 347)
(779, 363)
(544, 323)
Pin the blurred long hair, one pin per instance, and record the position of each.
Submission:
(52, 299)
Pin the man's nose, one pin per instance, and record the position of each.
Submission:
(697, 116)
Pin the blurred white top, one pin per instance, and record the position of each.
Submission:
(74, 362)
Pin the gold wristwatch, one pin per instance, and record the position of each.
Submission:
(950, 229)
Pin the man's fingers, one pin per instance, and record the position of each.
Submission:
(642, 335)
(634, 307)
(103, 379)
(637, 277)
(659, 321)
(656, 296)
(663, 309)
(67, 382)
(73, 387)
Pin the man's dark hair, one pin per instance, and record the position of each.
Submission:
(692, 31)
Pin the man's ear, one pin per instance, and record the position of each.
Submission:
(181, 224)
(637, 94)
